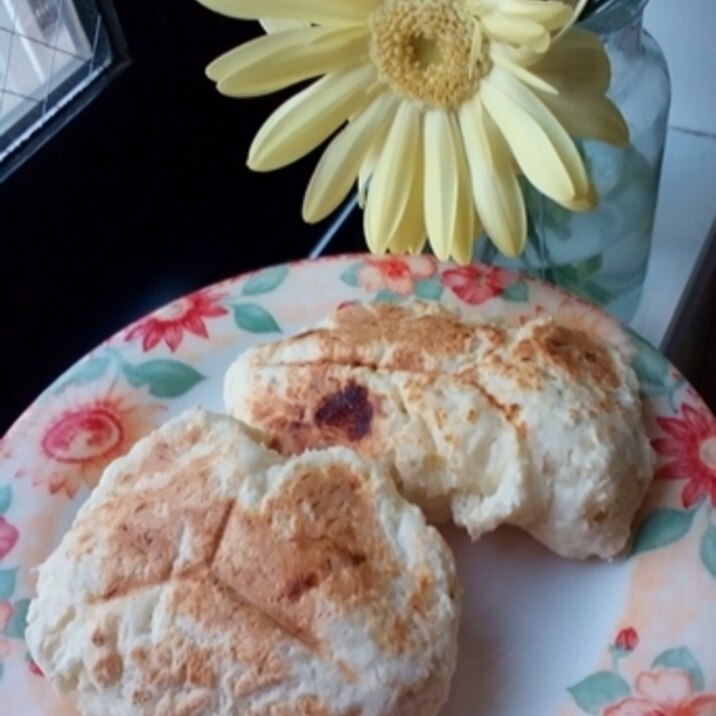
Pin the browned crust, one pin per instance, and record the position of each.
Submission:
(260, 576)
(397, 337)
(574, 352)
(328, 405)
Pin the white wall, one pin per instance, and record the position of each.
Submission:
(686, 31)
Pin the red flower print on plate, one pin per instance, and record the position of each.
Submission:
(72, 437)
(627, 639)
(476, 284)
(397, 275)
(666, 692)
(169, 323)
(690, 443)
(8, 537)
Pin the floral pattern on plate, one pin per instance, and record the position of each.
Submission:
(661, 662)
(672, 686)
(13, 611)
(79, 431)
(188, 314)
(688, 448)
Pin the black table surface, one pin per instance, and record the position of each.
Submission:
(141, 198)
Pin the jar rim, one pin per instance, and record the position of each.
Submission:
(613, 15)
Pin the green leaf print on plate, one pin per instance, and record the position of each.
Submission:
(350, 275)
(599, 690)
(518, 292)
(164, 378)
(385, 296)
(15, 628)
(661, 528)
(682, 659)
(265, 281)
(254, 319)
(708, 550)
(84, 372)
(653, 369)
(5, 499)
(673, 681)
(428, 289)
(8, 578)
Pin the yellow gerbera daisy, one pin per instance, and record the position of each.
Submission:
(436, 106)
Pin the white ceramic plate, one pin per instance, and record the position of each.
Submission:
(540, 635)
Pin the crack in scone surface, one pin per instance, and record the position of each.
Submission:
(268, 573)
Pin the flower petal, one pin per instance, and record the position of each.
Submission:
(630, 707)
(463, 240)
(307, 119)
(495, 188)
(447, 202)
(9, 535)
(551, 14)
(579, 6)
(588, 116)
(316, 11)
(277, 24)
(338, 168)
(681, 430)
(366, 172)
(666, 446)
(272, 62)
(543, 149)
(700, 422)
(703, 705)
(577, 59)
(502, 58)
(666, 687)
(393, 214)
(517, 31)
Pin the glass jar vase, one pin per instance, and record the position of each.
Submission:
(602, 255)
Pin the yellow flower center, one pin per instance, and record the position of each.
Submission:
(429, 51)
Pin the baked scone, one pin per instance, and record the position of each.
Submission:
(576, 402)
(537, 426)
(207, 575)
(385, 380)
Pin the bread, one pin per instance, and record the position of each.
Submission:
(385, 380)
(537, 426)
(577, 405)
(208, 575)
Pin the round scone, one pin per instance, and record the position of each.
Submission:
(207, 575)
(384, 380)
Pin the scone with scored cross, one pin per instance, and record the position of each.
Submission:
(537, 426)
(207, 575)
